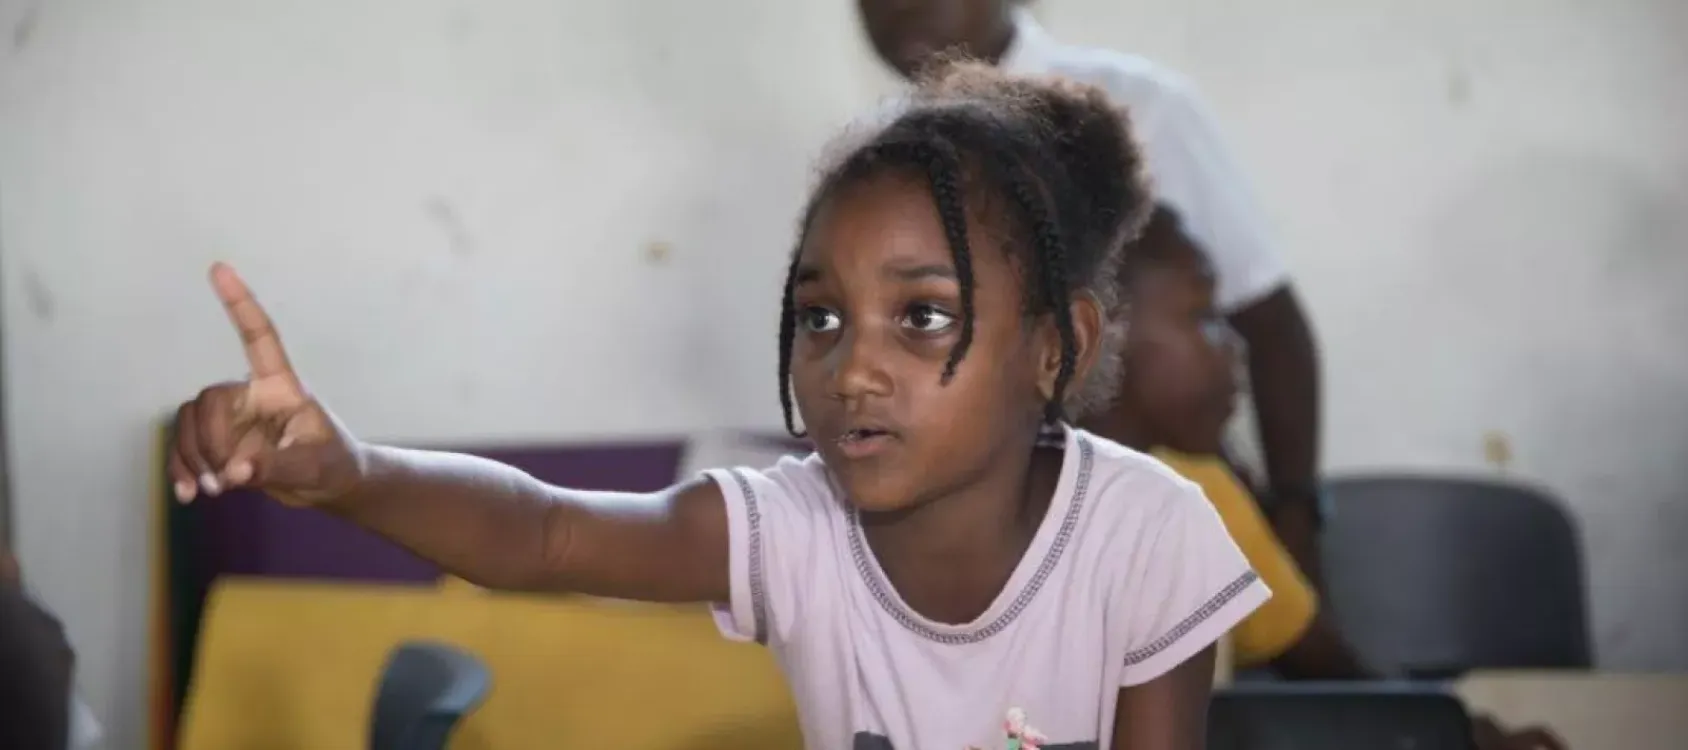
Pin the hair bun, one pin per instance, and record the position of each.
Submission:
(1091, 137)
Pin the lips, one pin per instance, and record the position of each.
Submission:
(864, 442)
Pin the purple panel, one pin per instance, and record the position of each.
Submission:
(631, 467)
(246, 534)
(792, 445)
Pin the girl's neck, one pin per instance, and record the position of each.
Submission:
(950, 556)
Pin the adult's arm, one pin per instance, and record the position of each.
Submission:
(1283, 370)
(1198, 176)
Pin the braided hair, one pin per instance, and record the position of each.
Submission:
(1052, 163)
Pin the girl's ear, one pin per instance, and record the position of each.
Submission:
(1086, 311)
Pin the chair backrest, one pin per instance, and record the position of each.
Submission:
(1432, 577)
(1336, 717)
(426, 689)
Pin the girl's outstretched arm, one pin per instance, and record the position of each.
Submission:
(498, 527)
(479, 519)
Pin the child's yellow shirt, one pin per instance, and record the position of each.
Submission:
(1270, 630)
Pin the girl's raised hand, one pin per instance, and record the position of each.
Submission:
(266, 431)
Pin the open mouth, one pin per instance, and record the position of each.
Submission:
(861, 433)
(862, 442)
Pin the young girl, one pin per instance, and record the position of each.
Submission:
(1175, 397)
(1196, 174)
(935, 566)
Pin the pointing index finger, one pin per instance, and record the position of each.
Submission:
(263, 345)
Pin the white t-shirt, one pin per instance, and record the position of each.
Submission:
(1192, 169)
(1130, 573)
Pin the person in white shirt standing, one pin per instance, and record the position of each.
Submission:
(1195, 175)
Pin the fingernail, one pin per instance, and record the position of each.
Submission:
(185, 490)
(284, 442)
(239, 472)
(210, 483)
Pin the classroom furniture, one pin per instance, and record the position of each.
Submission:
(1589, 710)
(426, 689)
(1432, 576)
(289, 664)
(1347, 716)
(246, 534)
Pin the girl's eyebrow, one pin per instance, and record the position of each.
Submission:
(920, 273)
(808, 274)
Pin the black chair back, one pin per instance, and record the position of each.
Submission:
(1337, 717)
(1432, 577)
(426, 689)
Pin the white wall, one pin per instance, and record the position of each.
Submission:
(450, 208)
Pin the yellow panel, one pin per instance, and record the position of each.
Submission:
(289, 665)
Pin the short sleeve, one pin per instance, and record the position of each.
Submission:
(1196, 174)
(1190, 586)
(773, 519)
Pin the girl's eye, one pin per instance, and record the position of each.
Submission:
(818, 319)
(928, 319)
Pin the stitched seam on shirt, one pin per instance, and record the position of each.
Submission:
(1188, 624)
(758, 584)
(895, 608)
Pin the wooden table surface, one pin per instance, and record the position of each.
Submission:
(1590, 710)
